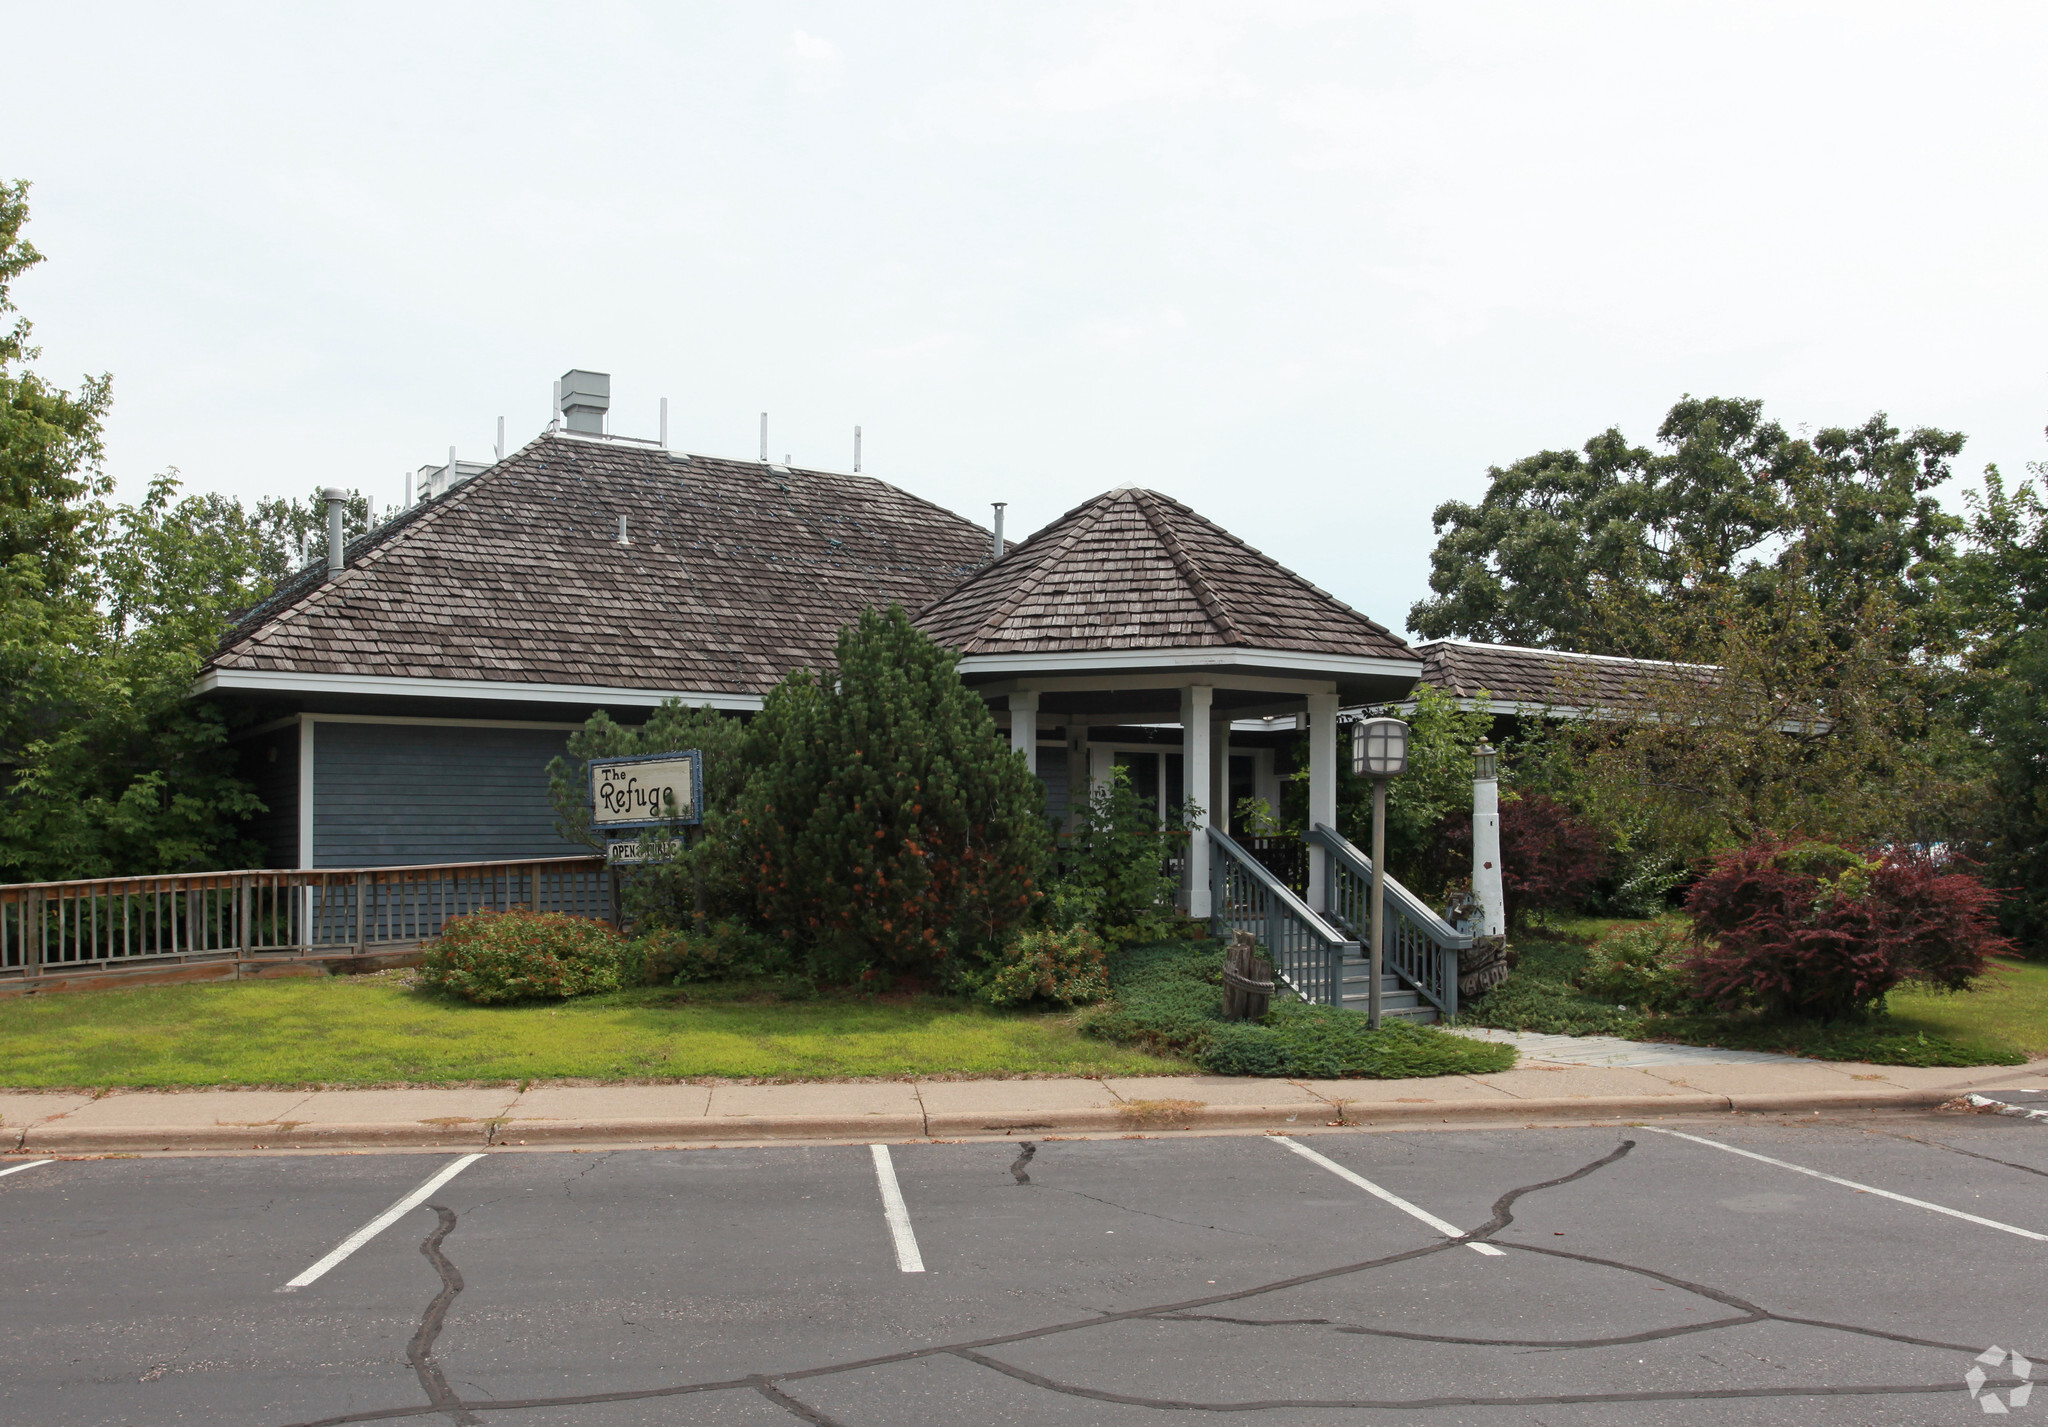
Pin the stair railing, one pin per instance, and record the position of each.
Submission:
(1422, 948)
(1307, 952)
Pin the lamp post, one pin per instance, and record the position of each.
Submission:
(1379, 751)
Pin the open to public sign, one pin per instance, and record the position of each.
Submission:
(651, 790)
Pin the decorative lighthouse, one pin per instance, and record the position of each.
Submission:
(1486, 884)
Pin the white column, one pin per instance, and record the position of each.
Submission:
(1486, 879)
(1195, 704)
(1079, 774)
(1322, 789)
(1219, 769)
(1024, 726)
(305, 790)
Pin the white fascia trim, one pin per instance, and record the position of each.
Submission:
(1193, 657)
(274, 681)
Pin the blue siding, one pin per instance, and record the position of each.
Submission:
(389, 794)
(1052, 771)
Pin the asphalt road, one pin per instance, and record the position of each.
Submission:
(1620, 1276)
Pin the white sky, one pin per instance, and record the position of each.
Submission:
(1310, 268)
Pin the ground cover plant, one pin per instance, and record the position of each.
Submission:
(1170, 995)
(1570, 974)
(377, 1030)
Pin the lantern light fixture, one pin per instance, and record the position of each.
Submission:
(1379, 748)
(1487, 760)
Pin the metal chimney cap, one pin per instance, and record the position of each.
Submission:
(333, 493)
(586, 396)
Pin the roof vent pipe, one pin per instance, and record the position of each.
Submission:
(856, 450)
(995, 547)
(499, 450)
(664, 423)
(586, 397)
(337, 505)
(764, 438)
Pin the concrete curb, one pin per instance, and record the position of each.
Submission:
(1161, 1117)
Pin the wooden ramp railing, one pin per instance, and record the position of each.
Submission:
(1307, 952)
(110, 924)
(1421, 948)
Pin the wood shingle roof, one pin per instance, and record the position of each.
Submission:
(1508, 674)
(1134, 569)
(737, 572)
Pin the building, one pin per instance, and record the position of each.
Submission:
(405, 701)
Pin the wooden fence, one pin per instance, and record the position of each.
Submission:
(110, 924)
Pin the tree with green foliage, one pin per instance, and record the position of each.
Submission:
(688, 877)
(107, 613)
(1595, 550)
(2000, 598)
(50, 444)
(887, 827)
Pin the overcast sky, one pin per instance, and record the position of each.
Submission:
(1310, 268)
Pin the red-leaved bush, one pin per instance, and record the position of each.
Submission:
(1549, 860)
(1811, 929)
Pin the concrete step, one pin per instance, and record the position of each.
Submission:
(1408, 1007)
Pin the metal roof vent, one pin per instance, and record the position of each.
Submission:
(586, 397)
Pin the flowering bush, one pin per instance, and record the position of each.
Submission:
(519, 955)
(1811, 929)
(1070, 967)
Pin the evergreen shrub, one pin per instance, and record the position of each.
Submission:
(1805, 928)
(521, 955)
(1069, 968)
(887, 828)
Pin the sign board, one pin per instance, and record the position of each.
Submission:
(650, 790)
(628, 854)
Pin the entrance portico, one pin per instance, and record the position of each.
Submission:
(1134, 611)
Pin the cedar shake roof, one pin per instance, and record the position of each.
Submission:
(1510, 674)
(738, 572)
(1134, 569)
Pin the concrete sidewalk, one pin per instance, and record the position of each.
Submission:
(144, 1121)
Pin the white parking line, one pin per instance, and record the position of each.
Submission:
(896, 1212)
(1852, 1184)
(382, 1222)
(18, 1168)
(1447, 1229)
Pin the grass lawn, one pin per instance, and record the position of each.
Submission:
(374, 1031)
(2008, 1007)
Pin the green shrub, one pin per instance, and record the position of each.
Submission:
(489, 957)
(718, 951)
(1325, 1043)
(1641, 968)
(1113, 868)
(1067, 967)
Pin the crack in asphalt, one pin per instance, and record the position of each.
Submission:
(1024, 1156)
(1954, 1149)
(773, 1387)
(420, 1351)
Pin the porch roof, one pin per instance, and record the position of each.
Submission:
(1135, 583)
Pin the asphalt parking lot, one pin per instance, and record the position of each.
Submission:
(1839, 1272)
